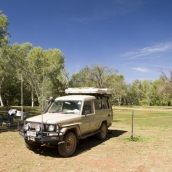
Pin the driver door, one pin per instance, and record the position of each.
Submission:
(87, 117)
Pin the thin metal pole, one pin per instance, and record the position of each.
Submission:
(43, 88)
(42, 100)
(132, 125)
(22, 97)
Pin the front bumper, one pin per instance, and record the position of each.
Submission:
(42, 137)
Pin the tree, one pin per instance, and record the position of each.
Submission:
(79, 79)
(100, 76)
(134, 92)
(46, 72)
(6, 72)
(119, 88)
(15, 58)
(156, 95)
(55, 71)
(165, 89)
(167, 81)
(1, 101)
(147, 91)
(4, 39)
(42, 70)
(4, 34)
(93, 76)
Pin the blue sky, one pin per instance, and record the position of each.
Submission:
(132, 36)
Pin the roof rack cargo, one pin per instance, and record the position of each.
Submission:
(89, 90)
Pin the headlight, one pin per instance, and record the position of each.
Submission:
(38, 128)
(26, 126)
(50, 127)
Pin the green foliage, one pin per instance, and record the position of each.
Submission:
(47, 72)
(44, 75)
(11, 92)
(143, 102)
(135, 93)
(42, 70)
(93, 76)
(4, 34)
(79, 79)
(119, 89)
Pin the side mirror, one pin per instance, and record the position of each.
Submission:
(51, 100)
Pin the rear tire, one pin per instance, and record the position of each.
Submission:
(31, 146)
(103, 132)
(68, 148)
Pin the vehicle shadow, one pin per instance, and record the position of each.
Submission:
(91, 142)
(84, 145)
(116, 133)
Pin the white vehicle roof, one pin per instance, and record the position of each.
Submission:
(76, 97)
(88, 90)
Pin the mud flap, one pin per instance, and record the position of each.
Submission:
(61, 143)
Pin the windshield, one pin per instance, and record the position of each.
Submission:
(65, 106)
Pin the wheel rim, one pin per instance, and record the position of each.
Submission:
(104, 131)
(70, 144)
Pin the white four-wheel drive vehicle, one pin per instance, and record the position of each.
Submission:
(82, 113)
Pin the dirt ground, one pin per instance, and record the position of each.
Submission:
(116, 154)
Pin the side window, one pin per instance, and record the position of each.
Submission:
(98, 104)
(105, 104)
(87, 108)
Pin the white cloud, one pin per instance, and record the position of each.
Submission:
(157, 48)
(113, 8)
(140, 69)
(163, 47)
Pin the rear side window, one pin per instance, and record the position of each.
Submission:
(98, 104)
(87, 108)
(105, 104)
(101, 104)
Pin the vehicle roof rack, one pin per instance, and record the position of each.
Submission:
(89, 91)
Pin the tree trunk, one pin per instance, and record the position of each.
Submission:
(32, 96)
(1, 102)
(119, 100)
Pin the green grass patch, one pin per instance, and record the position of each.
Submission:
(147, 107)
(137, 139)
(144, 119)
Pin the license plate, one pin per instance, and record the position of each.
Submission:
(32, 138)
(31, 133)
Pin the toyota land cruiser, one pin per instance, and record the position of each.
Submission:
(83, 112)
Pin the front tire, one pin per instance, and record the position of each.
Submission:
(68, 148)
(103, 132)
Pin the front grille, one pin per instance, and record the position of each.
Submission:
(33, 125)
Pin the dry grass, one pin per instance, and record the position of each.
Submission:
(150, 151)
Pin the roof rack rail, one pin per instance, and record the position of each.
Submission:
(89, 90)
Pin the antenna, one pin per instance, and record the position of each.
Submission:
(42, 100)
(43, 90)
(22, 97)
